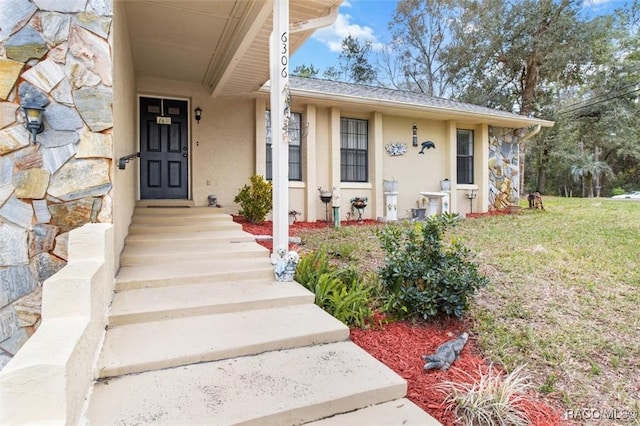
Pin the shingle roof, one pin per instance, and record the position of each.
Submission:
(399, 98)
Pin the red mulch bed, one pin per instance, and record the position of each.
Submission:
(400, 345)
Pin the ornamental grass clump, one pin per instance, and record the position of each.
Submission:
(490, 400)
(424, 276)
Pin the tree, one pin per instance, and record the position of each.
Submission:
(600, 113)
(513, 54)
(588, 169)
(353, 62)
(516, 55)
(420, 35)
(305, 71)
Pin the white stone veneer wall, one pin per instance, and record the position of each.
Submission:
(504, 169)
(56, 54)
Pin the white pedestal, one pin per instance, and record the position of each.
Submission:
(391, 200)
(446, 202)
(435, 201)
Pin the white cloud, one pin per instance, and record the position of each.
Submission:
(603, 5)
(596, 3)
(332, 36)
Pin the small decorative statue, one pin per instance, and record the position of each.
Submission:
(446, 353)
(285, 264)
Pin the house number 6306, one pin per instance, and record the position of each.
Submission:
(284, 59)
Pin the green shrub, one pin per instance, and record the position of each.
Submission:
(339, 291)
(311, 266)
(255, 200)
(618, 191)
(424, 277)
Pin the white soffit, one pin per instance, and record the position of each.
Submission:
(222, 44)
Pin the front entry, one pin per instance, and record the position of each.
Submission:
(164, 149)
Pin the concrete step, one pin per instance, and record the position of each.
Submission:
(155, 304)
(172, 220)
(200, 217)
(194, 272)
(184, 238)
(174, 211)
(280, 388)
(400, 412)
(134, 348)
(171, 203)
(176, 252)
(185, 226)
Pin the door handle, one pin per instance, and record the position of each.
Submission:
(185, 155)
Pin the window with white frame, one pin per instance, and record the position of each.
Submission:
(354, 150)
(295, 147)
(465, 156)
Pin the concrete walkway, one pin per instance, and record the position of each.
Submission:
(200, 334)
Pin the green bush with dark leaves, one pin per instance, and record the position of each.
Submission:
(255, 200)
(339, 291)
(423, 276)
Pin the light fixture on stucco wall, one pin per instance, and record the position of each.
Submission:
(198, 112)
(415, 135)
(33, 115)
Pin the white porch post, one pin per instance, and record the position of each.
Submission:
(280, 111)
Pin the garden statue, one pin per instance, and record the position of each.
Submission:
(446, 353)
(285, 264)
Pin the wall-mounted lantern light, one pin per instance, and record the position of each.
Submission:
(198, 114)
(33, 114)
(415, 135)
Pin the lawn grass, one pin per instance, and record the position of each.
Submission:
(564, 297)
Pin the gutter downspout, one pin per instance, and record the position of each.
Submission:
(531, 134)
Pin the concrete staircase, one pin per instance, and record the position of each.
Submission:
(199, 333)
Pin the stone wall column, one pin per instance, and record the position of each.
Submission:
(55, 54)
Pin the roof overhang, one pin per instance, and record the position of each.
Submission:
(221, 44)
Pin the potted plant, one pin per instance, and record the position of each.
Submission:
(358, 204)
(325, 195)
(419, 212)
(293, 216)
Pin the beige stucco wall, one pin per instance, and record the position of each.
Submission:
(415, 172)
(125, 129)
(47, 381)
(228, 146)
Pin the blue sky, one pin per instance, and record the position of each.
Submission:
(369, 19)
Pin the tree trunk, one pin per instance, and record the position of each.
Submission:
(529, 80)
(589, 183)
(542, 167)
